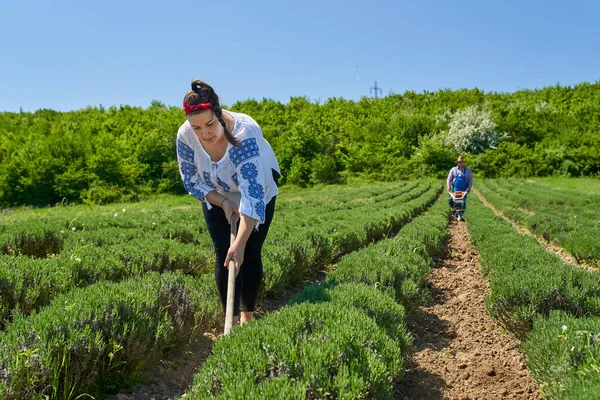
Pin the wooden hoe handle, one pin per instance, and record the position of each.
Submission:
(230, 281)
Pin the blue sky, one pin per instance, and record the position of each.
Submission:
(67, 55)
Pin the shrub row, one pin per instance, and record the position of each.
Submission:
(44, 234)
(525, 279)
(114, 254)
(348, 343)
(554, 306)
(27, 284)
(563, 353)
(35, 238)
(565, 217)
(305, 351)
(57, 374)
(399, 266)
(101, 336)
(294, 255)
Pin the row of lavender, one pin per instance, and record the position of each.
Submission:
(566, 217)
(344, 338)
(90, 335)
(554, 307)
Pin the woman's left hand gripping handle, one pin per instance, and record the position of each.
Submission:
(235, 254)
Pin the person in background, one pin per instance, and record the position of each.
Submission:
(460, 179)
(226, 163)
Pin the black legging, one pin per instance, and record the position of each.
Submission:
(247, 283)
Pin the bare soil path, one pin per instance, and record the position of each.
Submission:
(459, 352)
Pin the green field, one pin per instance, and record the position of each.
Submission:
(561, 211)
(92, 296)
(583, 185)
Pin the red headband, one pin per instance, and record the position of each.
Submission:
(189, 108)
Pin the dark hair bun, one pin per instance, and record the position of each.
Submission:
(196, 87)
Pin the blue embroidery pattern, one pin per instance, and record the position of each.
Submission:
(223, 185)
(235, 179)
(197, 193)
(207, 178)
(256, 190)
(248, 150)
(188, 170)
(260, 209)
(185, 151)
(249, 170)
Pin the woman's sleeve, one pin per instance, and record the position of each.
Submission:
(189, 173)
(247, 162)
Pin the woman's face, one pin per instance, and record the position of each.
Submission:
(206, 126)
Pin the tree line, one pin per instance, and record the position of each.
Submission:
(100, 155)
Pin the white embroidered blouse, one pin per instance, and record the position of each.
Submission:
(243, 175)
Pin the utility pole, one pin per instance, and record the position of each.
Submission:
(375, 88)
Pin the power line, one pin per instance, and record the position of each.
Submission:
(375, 88)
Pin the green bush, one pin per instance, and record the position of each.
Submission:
(311, 350)
(100, 337)
(35, 238)
(525, 279)
(27, 284)
(383, 309)
(397, 267)
(563, 353)
(99, 155)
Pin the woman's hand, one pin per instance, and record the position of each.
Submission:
(237, 248)
(235, 254)
(230, 208)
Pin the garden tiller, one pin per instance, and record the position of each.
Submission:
(458, 202)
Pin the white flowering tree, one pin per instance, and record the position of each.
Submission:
(472, 130)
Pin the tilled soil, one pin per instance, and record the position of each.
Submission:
(173, 375)
(459, 353)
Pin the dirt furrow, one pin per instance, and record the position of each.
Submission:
(459, 352)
